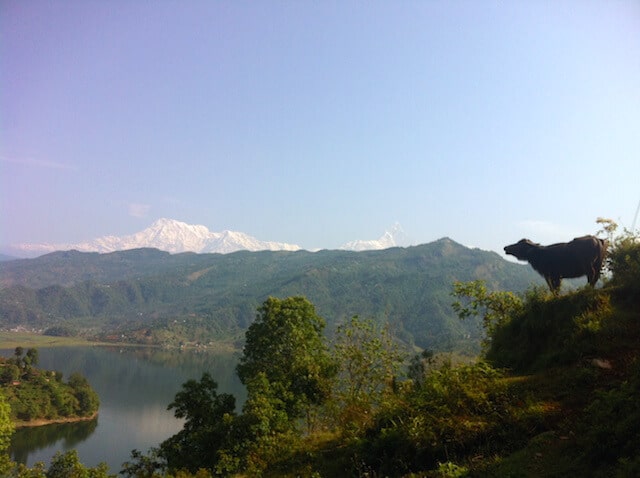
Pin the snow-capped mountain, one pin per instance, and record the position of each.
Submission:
(392, 238)
(175, 236)
(171, 236)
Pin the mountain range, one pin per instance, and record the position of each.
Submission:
(151, 296)
(175, 236)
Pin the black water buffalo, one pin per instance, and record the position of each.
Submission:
(582, 256)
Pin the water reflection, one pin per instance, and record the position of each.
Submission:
(28, 440)
(135, 386)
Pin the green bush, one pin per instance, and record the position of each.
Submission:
(551, 331)
(623, 261)
(609, 431)
(456, 409)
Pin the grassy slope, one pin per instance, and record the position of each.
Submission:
(11, 340)
(583, 375)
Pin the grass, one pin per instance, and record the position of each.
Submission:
(11, 340)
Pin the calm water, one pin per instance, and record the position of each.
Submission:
(135, 386)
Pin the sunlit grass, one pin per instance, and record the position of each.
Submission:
(10, 340)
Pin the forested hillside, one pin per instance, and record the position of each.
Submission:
(150, 296)
(37, 395)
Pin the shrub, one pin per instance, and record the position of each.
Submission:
(455, 409)
(623, 260)
(550, 331)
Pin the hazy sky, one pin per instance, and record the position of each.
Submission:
(317, 123)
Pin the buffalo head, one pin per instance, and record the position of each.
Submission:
(521, 249)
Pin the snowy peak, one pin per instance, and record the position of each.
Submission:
(394, 237)
(164, 234)
(175, 236)
(171, 236)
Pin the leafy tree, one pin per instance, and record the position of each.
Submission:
(67, 465)
(144, 466)
(286, 345)
(87, 398)
(31, 358)
(10, 373)
(264, 433)
(19, 358)
(208, 418)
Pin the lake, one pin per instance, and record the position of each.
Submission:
(135, 386)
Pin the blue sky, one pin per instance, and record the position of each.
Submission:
(317, 123)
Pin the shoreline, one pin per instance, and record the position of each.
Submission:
(40, 422)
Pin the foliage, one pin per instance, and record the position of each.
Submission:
(609, 433)
(67, 465)
(287, 370)
(368, 367)
(87, 399)
(6, 430)
(495, 308)
(623, 260)
(208, 417)
(40, 394)
(63, 465)
(419, 367)
(285, 345)
(150, 465)
(551, 331)
(456, 409)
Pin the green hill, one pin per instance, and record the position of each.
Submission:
(146, 295)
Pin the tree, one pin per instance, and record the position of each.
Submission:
(87, 398)
(286, 345)
(18, 353)
(31, 359)
(67, 465)
(10, 373)
(143, 466)
(208, 418)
